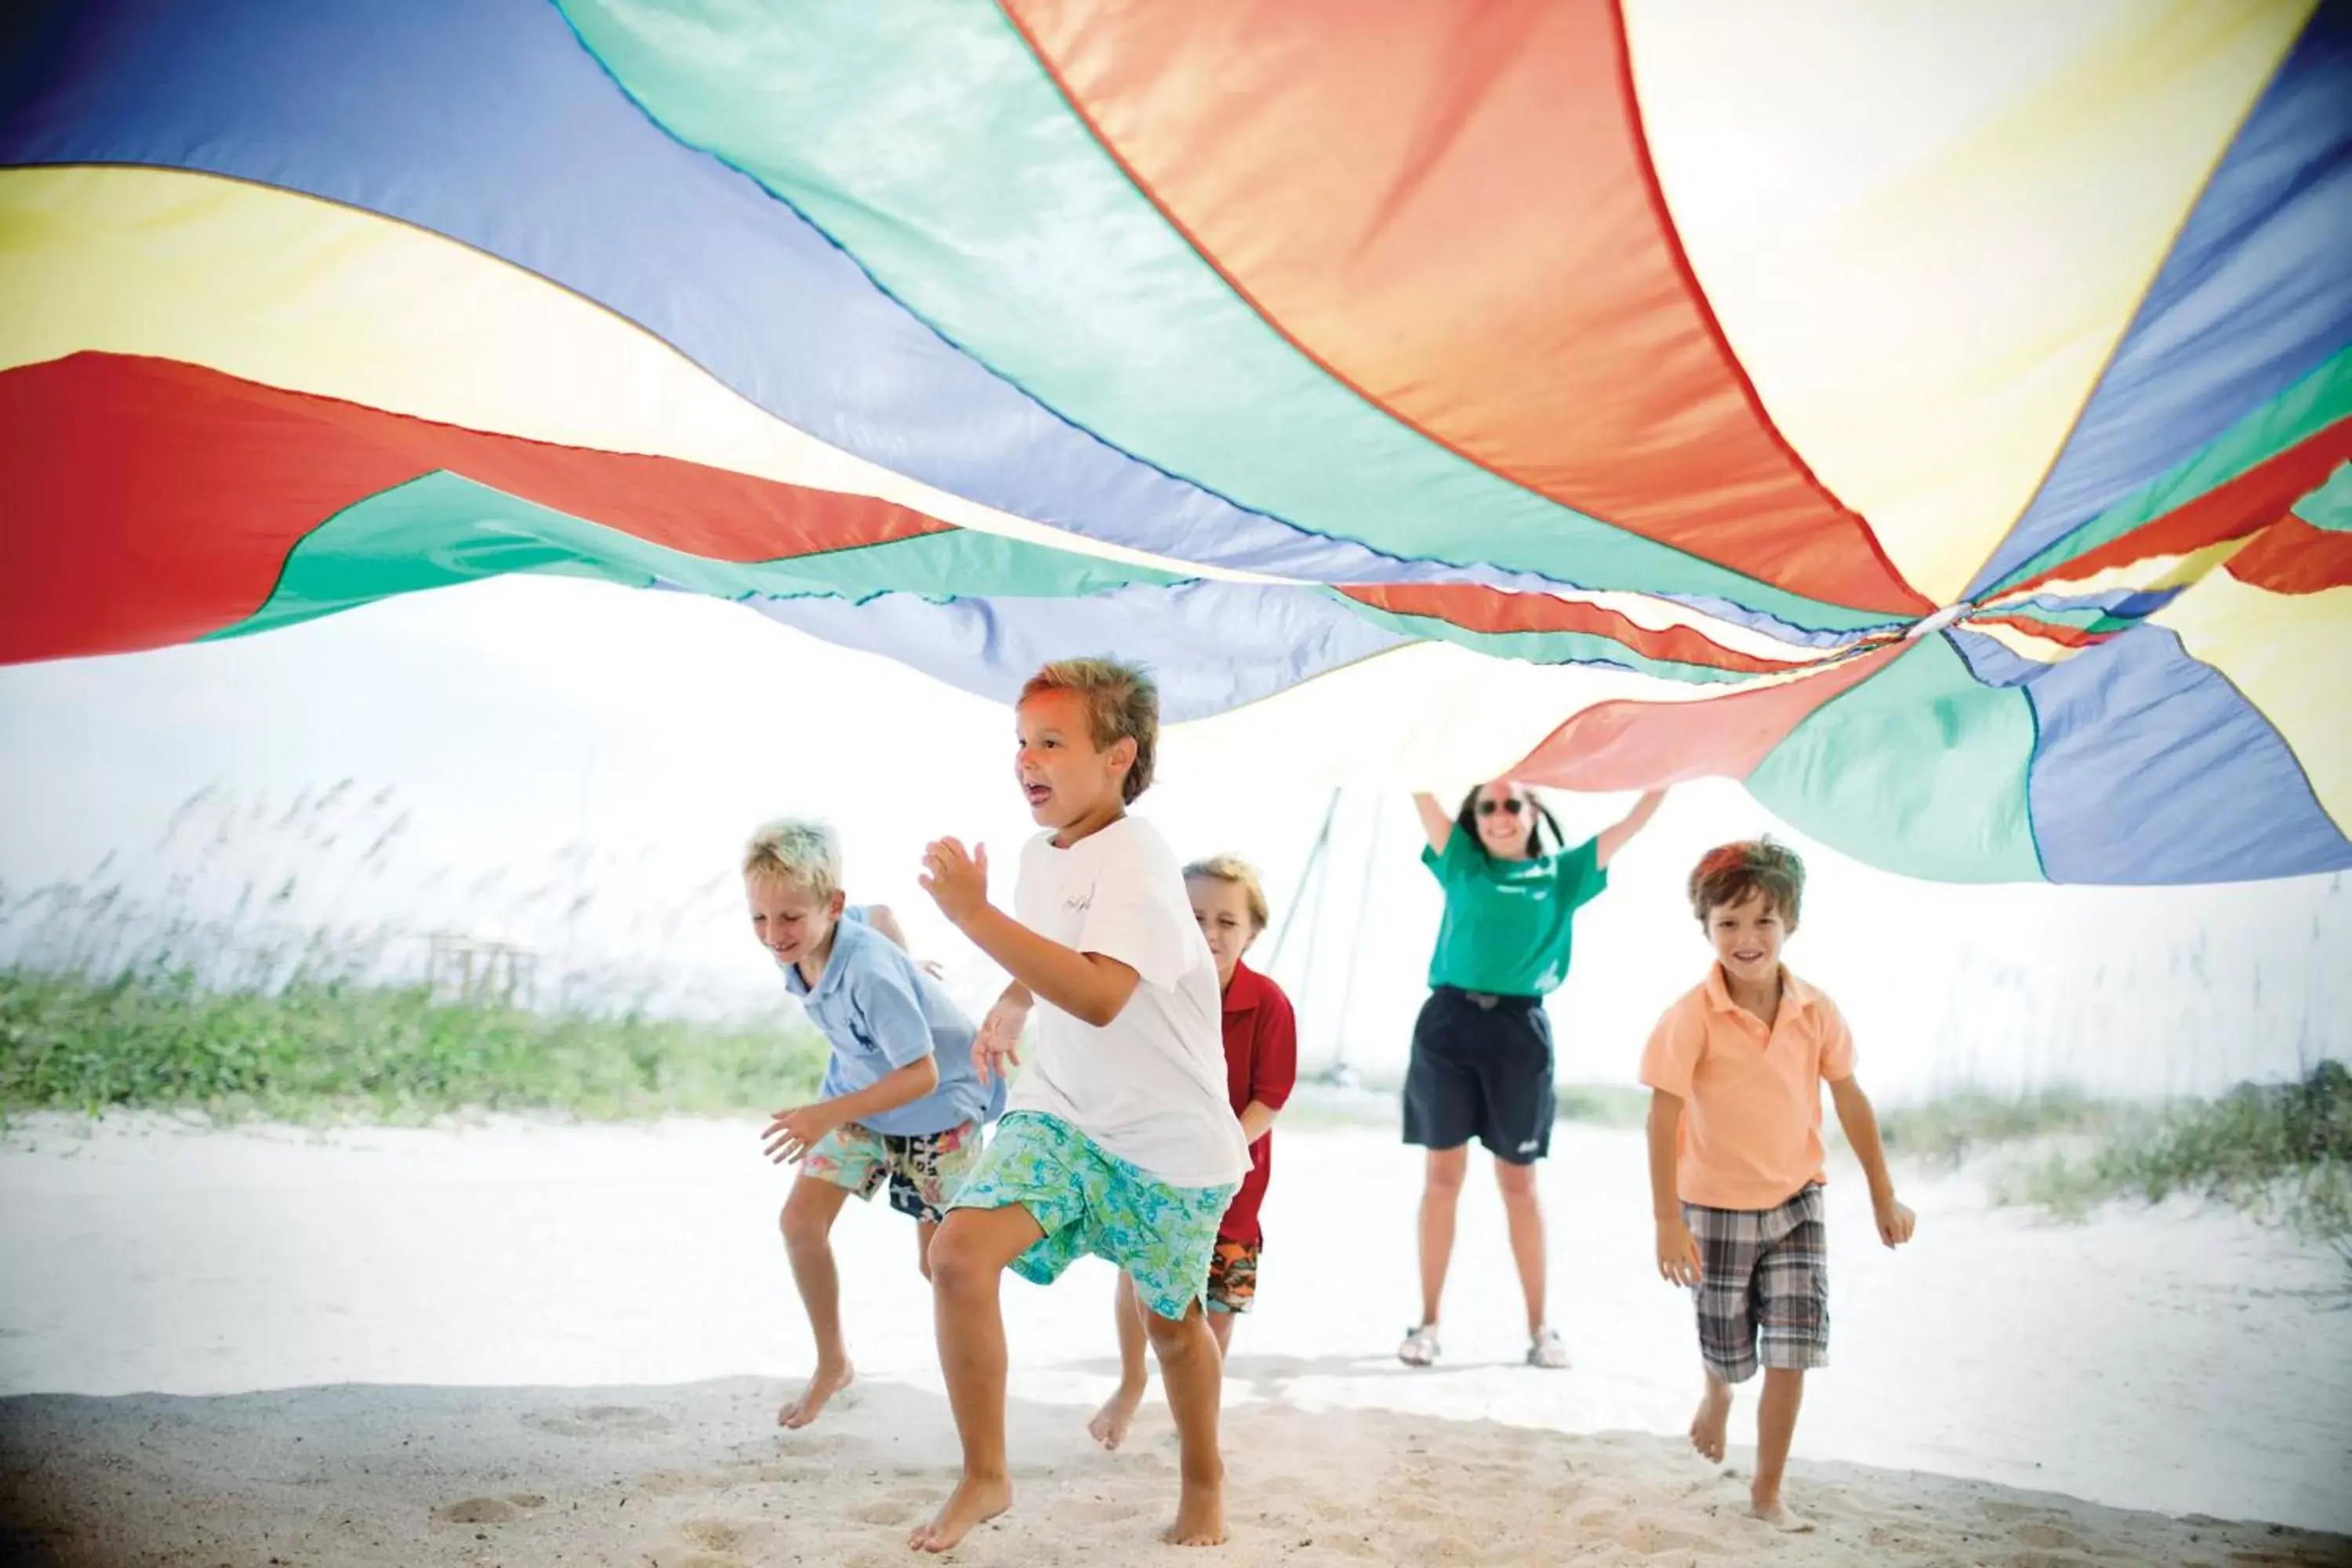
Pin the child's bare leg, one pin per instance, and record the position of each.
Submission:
(807, 1223)
(1440, 1193)
(1776, 1426)
(1524, 1210)
(1220, 1324)
(1110, 1423)
(967, 1259)
(924, 1230)
(1194, 1372)
(1707, 1428)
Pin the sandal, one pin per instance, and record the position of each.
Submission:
(1547, 1350)
(1419, 1346)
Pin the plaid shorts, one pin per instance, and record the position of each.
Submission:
(1764, 1280)
(1232, 1275)
(924, 1169)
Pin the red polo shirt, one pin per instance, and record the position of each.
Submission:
(1261, 1064)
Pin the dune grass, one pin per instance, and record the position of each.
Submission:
(2282, 1152)
(242, 966)
(335, 1049)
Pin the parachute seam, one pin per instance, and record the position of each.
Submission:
(1316, 535)
(2132, 325)
(2286, 747)
(918, 318)
(1673, 244)
(243, 625)
(2033, 717)
(1654, 191)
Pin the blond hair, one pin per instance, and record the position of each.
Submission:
(1233, 869)
(1121, 705)
(804, 852)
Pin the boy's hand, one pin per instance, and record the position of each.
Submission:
(1895, 1222)
(956, 881)
(1677, 1253)
(999, 1040)
(793, 1133)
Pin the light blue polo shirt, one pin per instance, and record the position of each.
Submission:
(880, 1012)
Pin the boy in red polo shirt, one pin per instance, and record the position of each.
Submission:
(1736, 1070)
(1261, 1066)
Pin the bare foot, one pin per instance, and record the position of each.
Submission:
(1200, 1516)
(1707, 1427)
(823, 1385)
(1110, 1423)
(972, 1502)
(1775, 1513)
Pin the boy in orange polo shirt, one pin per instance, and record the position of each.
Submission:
(1736, 1070)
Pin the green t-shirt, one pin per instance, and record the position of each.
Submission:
(1507, 927)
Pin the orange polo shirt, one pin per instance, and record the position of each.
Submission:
(1751, 1131)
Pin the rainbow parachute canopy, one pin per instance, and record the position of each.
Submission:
(1934, 417)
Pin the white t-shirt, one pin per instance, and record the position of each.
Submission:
(1150, 1085)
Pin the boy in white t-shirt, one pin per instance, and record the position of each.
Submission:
(1118, 1139)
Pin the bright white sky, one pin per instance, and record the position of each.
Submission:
(515, 717)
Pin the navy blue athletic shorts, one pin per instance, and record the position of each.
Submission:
(1480, 1068)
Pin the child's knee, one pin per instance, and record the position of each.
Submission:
(1448, 1168)
(805, 1226)
(956, 1263)
(1174, 1335)
(1517, 1182)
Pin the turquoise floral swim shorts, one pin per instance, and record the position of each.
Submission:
(1088, 1200)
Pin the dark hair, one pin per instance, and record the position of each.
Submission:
(1726, 875)
(1466, 821)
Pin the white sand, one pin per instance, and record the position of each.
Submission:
(571, 1312)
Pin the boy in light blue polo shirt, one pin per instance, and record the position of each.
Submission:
(900, 1103)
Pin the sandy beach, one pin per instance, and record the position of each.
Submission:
(519, 1344)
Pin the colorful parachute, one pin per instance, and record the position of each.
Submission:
(1933, 416)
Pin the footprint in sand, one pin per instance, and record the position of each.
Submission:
(526, 1500)
(718, 1534)
(903, 1509)
(1345, 1543)
(477, 1511)
(599, 1421)
(1651, 1540)
(2048, 1537)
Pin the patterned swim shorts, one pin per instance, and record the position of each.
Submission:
(924, 1169)
(1764, 1283)
(1232, 1275)
(1088, 1200)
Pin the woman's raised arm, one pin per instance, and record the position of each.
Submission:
(1434, 821)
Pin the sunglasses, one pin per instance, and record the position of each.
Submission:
(1490, 805)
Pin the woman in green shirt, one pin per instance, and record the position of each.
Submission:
(1481, 1057)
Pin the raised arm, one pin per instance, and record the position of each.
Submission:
(1087, 986)
(1613, 838)
(1434, 821)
